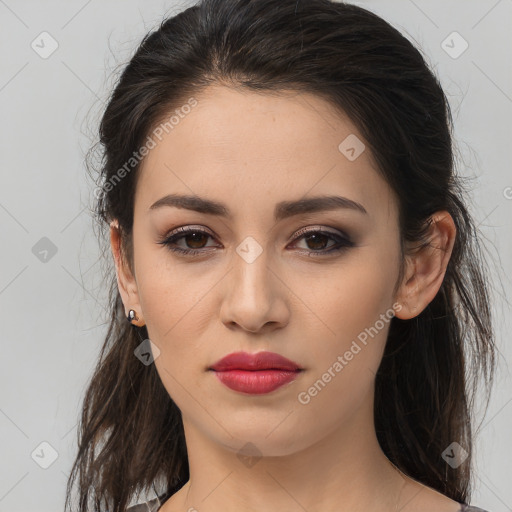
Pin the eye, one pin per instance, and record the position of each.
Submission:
(316, 239)
(193, 236)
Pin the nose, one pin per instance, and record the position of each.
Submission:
(255, 297)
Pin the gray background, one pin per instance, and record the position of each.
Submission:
(52, 317)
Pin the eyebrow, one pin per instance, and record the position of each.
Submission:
(282, 210)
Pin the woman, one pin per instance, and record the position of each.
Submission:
(301, 277)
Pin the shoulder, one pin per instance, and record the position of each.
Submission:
(148, 506)
(469, 508)
(156, 503)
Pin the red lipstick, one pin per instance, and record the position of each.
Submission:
(258, 373)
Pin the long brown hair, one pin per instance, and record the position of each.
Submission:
(131, 434)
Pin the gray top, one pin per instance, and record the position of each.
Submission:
(155, 504)
(148, 506)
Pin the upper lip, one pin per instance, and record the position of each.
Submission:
(258, 361)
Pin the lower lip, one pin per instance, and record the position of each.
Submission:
(256, 382)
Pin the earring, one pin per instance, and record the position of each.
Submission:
(132, 316)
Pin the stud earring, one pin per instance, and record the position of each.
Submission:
(132, 316)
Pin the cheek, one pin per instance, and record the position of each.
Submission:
(173, 305)
(173, 302)
(172, 296)
(347, 298)
(355, 308)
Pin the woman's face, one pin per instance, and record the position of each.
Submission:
(257, 282)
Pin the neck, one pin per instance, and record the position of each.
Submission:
(345, 470)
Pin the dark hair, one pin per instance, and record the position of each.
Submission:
(131, 434)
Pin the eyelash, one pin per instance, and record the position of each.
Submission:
(181, 232)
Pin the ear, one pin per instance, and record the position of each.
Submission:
(426, 267)
(125, 280)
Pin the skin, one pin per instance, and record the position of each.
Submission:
(319, 456)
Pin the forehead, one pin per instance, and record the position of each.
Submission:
(240, 147)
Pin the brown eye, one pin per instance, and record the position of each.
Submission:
(317, 242)
(195, 240)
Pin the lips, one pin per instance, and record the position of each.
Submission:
(259, 361)
(258, 373)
